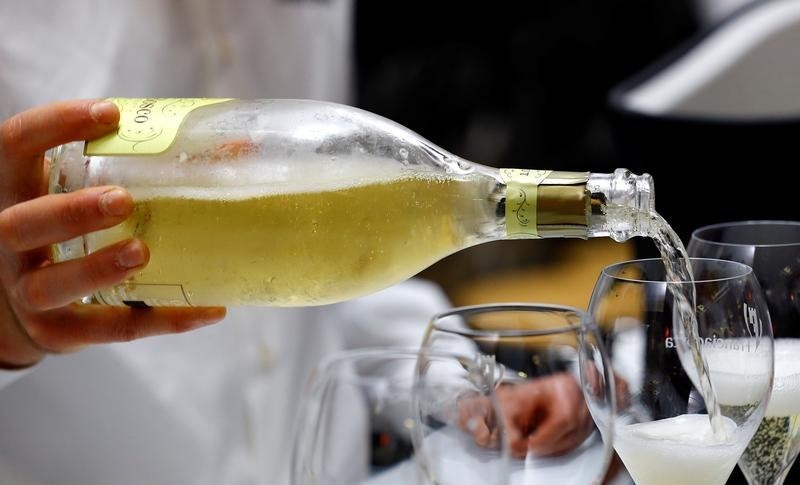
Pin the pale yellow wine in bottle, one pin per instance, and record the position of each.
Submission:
(289, 202)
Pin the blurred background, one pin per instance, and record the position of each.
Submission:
(516, 87)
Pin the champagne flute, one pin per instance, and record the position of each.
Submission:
(540, 352)
(389, 416)
(772, 249)
(663, 431)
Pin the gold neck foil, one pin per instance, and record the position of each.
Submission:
(545, 203)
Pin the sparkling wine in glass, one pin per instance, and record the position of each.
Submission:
(663, 432)
(772, 249)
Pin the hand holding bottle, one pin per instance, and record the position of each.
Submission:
(36, 310)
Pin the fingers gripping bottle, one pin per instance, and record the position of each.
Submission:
(295, 202)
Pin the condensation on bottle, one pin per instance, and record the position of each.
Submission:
(297, 202)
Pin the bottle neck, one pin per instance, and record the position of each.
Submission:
(622, 204)
(546, 204)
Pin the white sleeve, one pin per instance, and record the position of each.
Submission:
(396, 316)
(8, 376)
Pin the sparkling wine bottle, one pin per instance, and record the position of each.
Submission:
(295, 202)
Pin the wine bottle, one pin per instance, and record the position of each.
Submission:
(297, 202)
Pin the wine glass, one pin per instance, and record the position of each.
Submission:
(388, 416)
(663, 432)
(772, 249)
(540, 352)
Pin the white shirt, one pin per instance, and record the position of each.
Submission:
(217, 405)
(173, 48)
(213, 406)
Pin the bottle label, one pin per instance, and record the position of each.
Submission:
(522, 189)
(147, 126)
